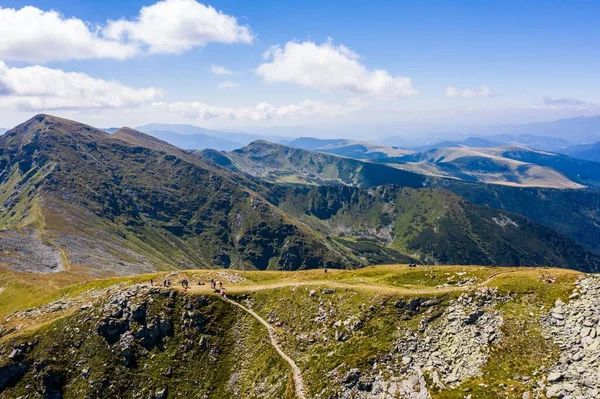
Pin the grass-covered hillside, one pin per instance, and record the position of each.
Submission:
(435, 226)
(387, 331)
(131, 203)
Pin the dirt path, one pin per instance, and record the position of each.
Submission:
(299, 384)
(356, 286)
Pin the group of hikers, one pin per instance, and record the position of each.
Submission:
(216, 285)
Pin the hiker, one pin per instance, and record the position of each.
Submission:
(222, 291)
(212, 283)
(151, 282)
(220, 284)
(325, 270)
(185, 284)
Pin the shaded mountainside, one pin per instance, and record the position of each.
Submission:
(575, 213)
(589, 152)
(436, 226)
(129, 203)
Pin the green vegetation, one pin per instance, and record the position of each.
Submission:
(434, 225)
(570, 212)
(130, 203)
(225, 353)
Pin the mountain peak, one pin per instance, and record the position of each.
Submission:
(43, 125)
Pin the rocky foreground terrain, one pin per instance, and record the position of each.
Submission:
(500, 335)
(574, 327)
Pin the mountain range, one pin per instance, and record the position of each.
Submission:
(549, 136)
(573, 212)
(129, 202)
(193, 137)
(483, 161)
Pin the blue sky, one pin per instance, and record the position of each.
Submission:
(409, 66)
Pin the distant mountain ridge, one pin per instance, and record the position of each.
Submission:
(581, 128)
(588, 152)
(507, 164)
(349, 148)
(192, 137)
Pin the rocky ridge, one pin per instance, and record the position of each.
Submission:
(451, 345)
(574, 327)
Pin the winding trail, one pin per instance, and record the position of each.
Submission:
(298, 382)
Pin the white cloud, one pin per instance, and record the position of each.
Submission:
(261, 112)
(169, 26)
(220, 70)
(30, 34)
(228, 84)
(38, 88)
(175, 26)
(330, 67)
(483, 91)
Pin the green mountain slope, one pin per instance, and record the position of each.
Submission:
(129, 203)
(436, 226)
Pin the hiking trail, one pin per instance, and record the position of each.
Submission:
(298, 382)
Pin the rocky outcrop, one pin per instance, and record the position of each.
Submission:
(450, 346)
(574, 327)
